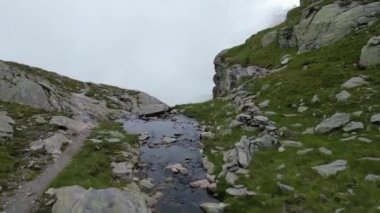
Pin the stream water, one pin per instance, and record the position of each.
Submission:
(178, 196)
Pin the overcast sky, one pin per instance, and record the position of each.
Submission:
(165, 48)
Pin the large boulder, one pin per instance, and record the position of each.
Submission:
(74, 199)
(320, 27)
(370, 55)
(6, 125)
(336, 121)
(51, 145)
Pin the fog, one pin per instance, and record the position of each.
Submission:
(165, 48)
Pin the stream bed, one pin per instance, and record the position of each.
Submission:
(156, 154)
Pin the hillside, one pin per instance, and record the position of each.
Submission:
(295, 115)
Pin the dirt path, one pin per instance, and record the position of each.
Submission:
(24, 198)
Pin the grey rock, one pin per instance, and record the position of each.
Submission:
(302, 109)
(144, 136)
(315, 99)
(325, 151)
(293, 144)
(355, 82)
(169, 140)
(264, 104)
(285, 59)
(343, 96)
(375, 118)
(112, 200)
(208, 165)
(285, 188)
(261, 118)
(231, 178)
(268, 38)
(6, 126)
(146, 185)
(319, 28)
(304, 151)
(239, 192)
(336, 121)
(357, 113)
(122, 170)
(51, 145)
(365, 140)
(207, 135)
(372, 178)
(213, 207)
(370, 54)
(327, 170)
(309, 131)
(370, 159)
(69, 124)
(203, 184)
(353, 126)
(348, 138)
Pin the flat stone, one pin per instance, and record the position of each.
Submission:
(355, 82)
(293, 144)
(285, 188)
(372, 178)
(122, 169)
(261, 118)
(231, 178)
(238, 192)
(213, 207)
(325, 151)
(343, 96)
(169, 140)
(327, 170)
(336, 121)
(370, 159)
(375, 118)
(365, 140)
(207, 135)
(144, 136)
(304, 151)
(203, 184)
(357, 113)
(302, 109)
(309, 131)
(353, 126)
(348, 138)
(51, 145)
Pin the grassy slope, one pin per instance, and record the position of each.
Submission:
(12, 154)
(91, 166)
(328, 68)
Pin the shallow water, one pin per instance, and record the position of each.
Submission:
(178, 196)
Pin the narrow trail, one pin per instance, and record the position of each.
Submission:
(178, 195)
(23, 199)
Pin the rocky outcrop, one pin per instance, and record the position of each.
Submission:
(322, 26)
(6, 126)
(78, 199)
(269, 38)
(228, 76)
(370, 55)
(287, 38)
(52, 145)
(49, 91)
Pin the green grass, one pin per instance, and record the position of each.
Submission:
(91, 166)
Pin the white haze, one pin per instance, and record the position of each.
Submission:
(165, 48)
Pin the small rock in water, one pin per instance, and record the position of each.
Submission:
(169, 140)
(177, 168)
(213, 207)
(204, 183)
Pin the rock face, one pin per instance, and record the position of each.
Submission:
(320, 27)
(68, 123)
(227, 76)
(6, 126)
(370, 55)
(287, 38)
(112, 200)
(334, 122)
(268, 38)
(41, 89)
